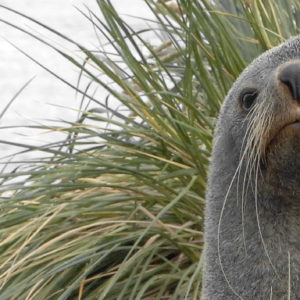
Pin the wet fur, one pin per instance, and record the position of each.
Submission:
(252, 226)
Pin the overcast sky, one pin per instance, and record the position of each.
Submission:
(36, 101)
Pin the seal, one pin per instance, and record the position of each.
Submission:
(252, 218)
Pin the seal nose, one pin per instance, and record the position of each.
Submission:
(290, 76)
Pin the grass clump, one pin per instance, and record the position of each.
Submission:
(116, 209)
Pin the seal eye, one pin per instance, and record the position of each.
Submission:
(247, 98)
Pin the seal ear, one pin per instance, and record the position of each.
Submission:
(247, 98)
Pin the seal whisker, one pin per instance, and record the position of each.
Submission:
(248, 171)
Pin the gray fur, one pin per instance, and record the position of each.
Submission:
(258, 253)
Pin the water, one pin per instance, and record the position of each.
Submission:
(43, 98)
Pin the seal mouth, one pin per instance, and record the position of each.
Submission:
(290, 130)
(290, 126)
(294, 125)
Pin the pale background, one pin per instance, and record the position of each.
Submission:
(35, 103)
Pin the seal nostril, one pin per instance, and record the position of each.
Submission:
(290, 76)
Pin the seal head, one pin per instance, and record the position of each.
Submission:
(252, 225)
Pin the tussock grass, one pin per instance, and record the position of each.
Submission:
(116, 209)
